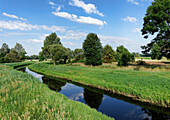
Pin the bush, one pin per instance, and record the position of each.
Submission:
(123, 56)
(141, 62)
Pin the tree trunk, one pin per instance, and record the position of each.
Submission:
(53, 61)
(65, 61)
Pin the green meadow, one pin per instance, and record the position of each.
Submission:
(152, 87)
(24, 97)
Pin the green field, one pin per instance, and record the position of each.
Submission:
(24, 97)
(152, 87)
(149, 58)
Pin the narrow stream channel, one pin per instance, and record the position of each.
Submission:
(118, 109)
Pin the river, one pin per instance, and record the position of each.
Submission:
(110, 106)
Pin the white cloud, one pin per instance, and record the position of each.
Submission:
(73, 35)
(40, 40)
(134, 2)
(18, 25)
(0, 30)
(130, 19)
(136, 30)
(13, 16)
(89, 8)
(58, 9)
(117, 41)
(35, 40)
(147, 0)
(51, 3)
(80, 19)
(23, 19)
(71, 44)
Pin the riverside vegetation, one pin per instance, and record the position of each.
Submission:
(24, 97)
(152, 87)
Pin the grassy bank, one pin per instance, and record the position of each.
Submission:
(18, 64)
(24, 97)
(152, 87)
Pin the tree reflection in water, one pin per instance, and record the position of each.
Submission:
(92, 99)
(53, 84)
(22, 69)
(155, 115)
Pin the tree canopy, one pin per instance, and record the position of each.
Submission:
(78, 54)
(93, 50)
(3, 51)
(41, 56)
(12, 57)
(109, 54)
(157, 21)
(52, 39)
(20, 50)
(55, 52)
(123, 56)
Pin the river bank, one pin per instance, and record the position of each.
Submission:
(24, 97)
(149, 87)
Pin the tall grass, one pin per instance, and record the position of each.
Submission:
(24, 97)
(18, 64)
(152, 87)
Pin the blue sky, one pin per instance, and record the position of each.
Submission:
(117, 22)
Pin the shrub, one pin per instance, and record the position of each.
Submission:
(123, 56)
(141, 62)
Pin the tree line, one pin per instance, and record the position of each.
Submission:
(16, 54)
(92, 52)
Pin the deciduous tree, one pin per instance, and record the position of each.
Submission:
(78, 54)
(12, 57)
(123, 56)
(52, 39)
(157, 21)
(20, 50)
(56, 52)
(109, 54)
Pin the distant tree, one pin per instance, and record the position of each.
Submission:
(157, 20)
(12, 57)
(27, 57)
(3, 51)
(123, 56)
(34, 57)
(20, 50)
(136, 54)
(78, 54)
(56, 52)
(109, 54)
(52, 39)
(93, 50)
(41, 56)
